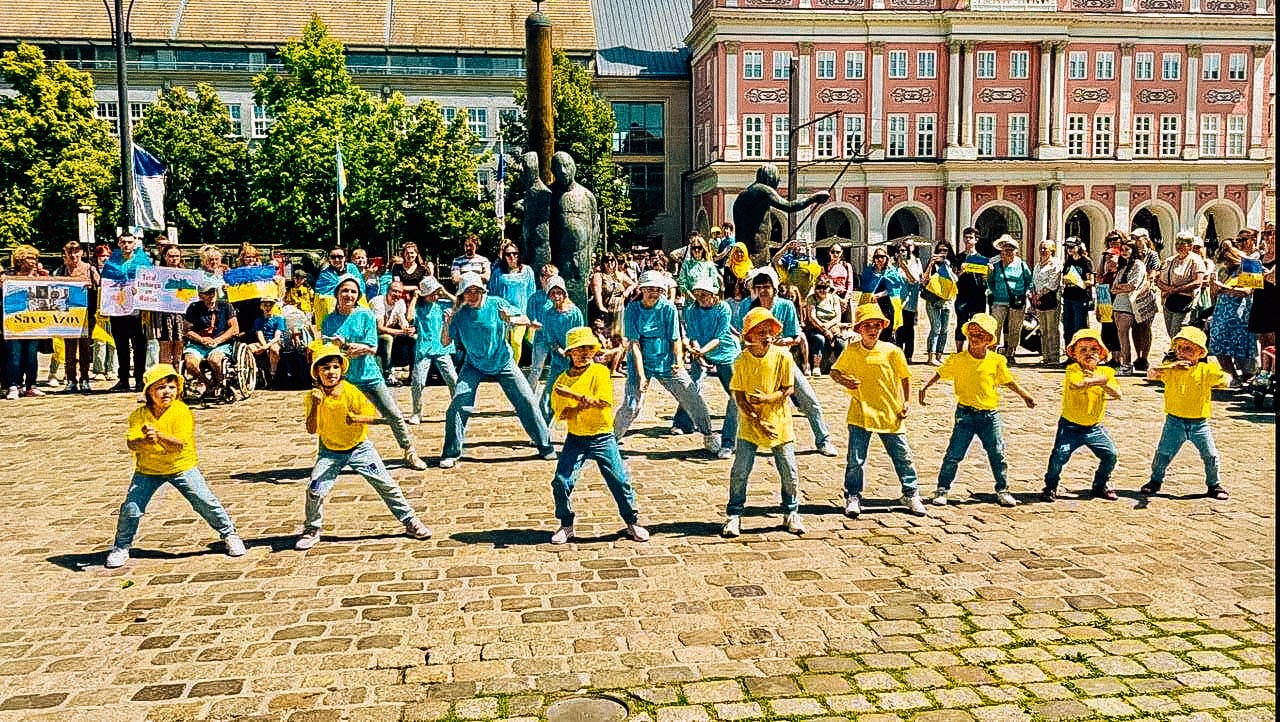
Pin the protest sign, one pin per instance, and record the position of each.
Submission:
(46, 308)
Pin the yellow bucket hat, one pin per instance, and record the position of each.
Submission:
(868, 312)
(1191, 334)
(160, 372)
(579, 337)
(1092, 334)
(321, 351)
(757, 316)
(984, 321)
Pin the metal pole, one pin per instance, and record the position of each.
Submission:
(541, 110)
(126, 127)
(793, 133)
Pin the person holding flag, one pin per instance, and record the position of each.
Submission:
(938, 291)
(971, 285)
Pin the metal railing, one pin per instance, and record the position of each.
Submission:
(1014, 5)
(247, 67)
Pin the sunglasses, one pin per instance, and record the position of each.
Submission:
(823, 288)
(336, 256)
(510, 255)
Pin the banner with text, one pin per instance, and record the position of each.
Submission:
(171, 290)
(46, 308)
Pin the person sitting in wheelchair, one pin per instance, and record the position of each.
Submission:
(268, 335)
(211, 328)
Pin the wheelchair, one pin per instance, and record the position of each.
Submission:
(240, 375)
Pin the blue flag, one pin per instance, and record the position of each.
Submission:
(342, 177)
(148, 190)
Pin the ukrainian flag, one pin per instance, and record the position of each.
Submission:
(1251, 271)
(249, 282)
(975, 263)
(942, 283)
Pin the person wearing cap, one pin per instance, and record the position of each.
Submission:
(537, 305)
(211, 327)
(354, 330)
(428, 310)
(763, 377)
(395, 330)
(764, 286)
(823, 312)
(269, 330)
(1180, 279)
(712, 345)
(1086, 386)
(723, 244)
(978, 373)
(479, 324)
(557, 321)
(126, 328)
(1009, 283)
(1189, 382)
(1077, 287)
(1046, 284)
(583, 399)
(651, 328)
(876, 376)
(162, 437)
(971, 283)
(1146, 250)
(339, 414)
(300, 295)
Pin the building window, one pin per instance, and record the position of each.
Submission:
(826, 64)
(1235, 136)
(926, 64)
(237, 123)
(926, 131)
(1211, 66)
(262, 121)
(449, 112)
(853, 136)
(855, 64)
(639, 129)
(1170, 66)
(108, 110)
(1075, 135)
(781, 64)
(136, 111)
(645, 181)
(1019, 64)
(478, 121)
(986, 135)
(897, 136)
(1018, 135)
(1170, 136)
(1210, 128)
(1142, 136)
(1144, 66)
(753, 136)
(752, 65)
(897, 63)
(1236, 64)
(781, 141)
(986, 65)
(1077, 62)
(1102, 136)
(824, 139)
(1104, 66)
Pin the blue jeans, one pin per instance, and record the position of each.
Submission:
(380, 396)
(729, 432)
(537, 360)
(939, 318)
(1071, 437)
(807, 401)
(679, 384)
(856, 460)
(985, 425)
(444, 364)
(744, 458)
(364, 460)
(190, 484)
(23, 364)
(517, 391)
(603, 449)
(1177, 431)
(1075, 316)
(558, 366)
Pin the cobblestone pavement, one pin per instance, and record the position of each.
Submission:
(1079, 609)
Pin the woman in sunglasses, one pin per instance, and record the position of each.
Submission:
(514, 283)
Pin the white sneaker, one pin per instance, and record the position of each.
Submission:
(1004, 498)
(724, 453)
(794, 525)
(13, 393)
(307, 540)
(711, 443)
(828, 449)
(675, 431)
(413, 420)
(936, 360)
(117, 557)
(448, 462)
(915, 504)
(732, 527)
(235, 545)
(412, 461)
(637, 533)
(416, 529)
(939, 497)
(852, 506)
(562, 535)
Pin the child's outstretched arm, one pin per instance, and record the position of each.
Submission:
(313, 410)
(933, 380)
(1026, 398)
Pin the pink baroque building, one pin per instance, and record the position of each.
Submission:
(1039, 118)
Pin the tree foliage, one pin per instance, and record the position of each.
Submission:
(207, 167)
(55, 156)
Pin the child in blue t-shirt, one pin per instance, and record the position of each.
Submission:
(428, 318)
(714, 347)
(268, 335)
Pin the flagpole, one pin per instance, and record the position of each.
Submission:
(337, 214)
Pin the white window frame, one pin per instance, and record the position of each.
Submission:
(1170, 136)
(1143, 128)
(1078, 65)
(781, 64)
(1018, 135)
(753, 65)
(1237, 66)
(449, 112)
(824, 137)
(896, 136)
(780, 128)
(753, 137)
(1103, 136)
(855, 64)
(262, 121)
(1211, 66)
(1210, 134)
(108, 110)
(926, 64)
(825, 64)
(1236, 136)
(897, 64)
(985, 65)
(1144, 66)
(854, 133)
(926, 135)
(1170, 66)
(1019, 64)
(1077, 129)
(235, 112)
(1104, 65)
(985, 134)
(478, 121)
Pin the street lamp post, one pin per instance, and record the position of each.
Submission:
(119, 21)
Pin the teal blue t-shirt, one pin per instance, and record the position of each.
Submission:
(536, 309)
(483, 334)
(706, 324)
(361, 327)
(655, 329)
(783, 310)
(428, 318)
(514, 287)
(555, 329)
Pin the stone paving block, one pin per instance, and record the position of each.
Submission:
(768, 687)
(1100, 686)
(943, 715)
(849, 703)
(720, 691)
(1110, 706)
(738, 711)
(1251, 696)
(903, 700)
(683, 713)
(1207, 679)
(953, 697)
(1019, 673)
(1203, 701)
(796, 707)
(875, 681)
(1000, 713)
(1061, 710)
(824, 684)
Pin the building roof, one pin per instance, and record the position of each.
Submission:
(642, 37)
(407, 24)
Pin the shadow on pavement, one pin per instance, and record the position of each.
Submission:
(80, 562)
(275, 475)
(501, 538)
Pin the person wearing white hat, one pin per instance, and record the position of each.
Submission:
(556, 321)
(428, 320)
(651, 329)
(479, 323)
(708, 326)
(1009, 283)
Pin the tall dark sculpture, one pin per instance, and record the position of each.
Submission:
(751, 207)
(575, 227)
(535, 210)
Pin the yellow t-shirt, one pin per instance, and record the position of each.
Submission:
(976, 380)
(1086, 406)
(594, 381)
(877, 402)
(331, 419)
(766, 373)
(176, 421)
(1188, 392)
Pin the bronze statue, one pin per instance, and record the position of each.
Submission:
(535, 207)
(575, 227)
(752, 206)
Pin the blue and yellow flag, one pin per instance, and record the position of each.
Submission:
(342, 177)
(1251, 270)
(942, 283)
(975, 263)
(249, 282)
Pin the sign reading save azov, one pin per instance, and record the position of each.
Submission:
(46, 308)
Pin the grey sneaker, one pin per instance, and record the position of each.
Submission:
(414, 420)
(416, 529)
(828, 449)
(412, 461)
(915, 504)
(794, 524)
(549, 455)
(1004, 498)
(853, 506)
(939, 497)
(562, 535)
(307, 540)
(711, 443)
(724, 453)
(235, 545)
(116, 557)
(732, 527)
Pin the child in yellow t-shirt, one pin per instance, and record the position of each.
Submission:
(977, 373)
(162, 438)
(761, 382)
(1189, 382)
(583, 397)
(1086, 386)
(876, 375)
(340, 414)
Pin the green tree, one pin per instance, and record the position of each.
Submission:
(584, 127)
(207, 167)
(55, 156)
